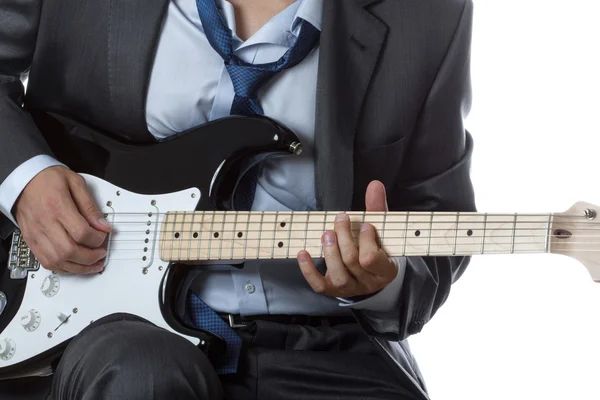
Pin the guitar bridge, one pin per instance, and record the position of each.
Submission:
(20, 258)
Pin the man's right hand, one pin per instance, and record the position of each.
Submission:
(61, 223)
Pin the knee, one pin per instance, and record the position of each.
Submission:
(136, 360)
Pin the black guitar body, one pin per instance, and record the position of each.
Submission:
(212, 157)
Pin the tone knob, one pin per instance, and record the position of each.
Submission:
(7, 349)
(50, 285)
(31, 320)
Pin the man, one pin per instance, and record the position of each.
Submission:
(376, 89)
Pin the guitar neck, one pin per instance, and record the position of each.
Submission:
(207, 236)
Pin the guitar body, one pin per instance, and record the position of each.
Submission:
(197, 170)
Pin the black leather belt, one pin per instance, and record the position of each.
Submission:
(238, 321)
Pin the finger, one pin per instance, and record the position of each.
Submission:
(311, 274)
(68, 251)
(375, 198)
(347, 247)
(338, 276)
(86, 204)
(371, 257)
(79, 269)
(78, 227)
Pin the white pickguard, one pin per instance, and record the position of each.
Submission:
(129, 284)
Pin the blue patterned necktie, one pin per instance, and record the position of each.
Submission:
(247, 80)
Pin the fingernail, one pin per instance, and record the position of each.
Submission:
(98, 268)
(303, 258)
(103, 221)
(341, 217)
(364, 227)
(328, 238)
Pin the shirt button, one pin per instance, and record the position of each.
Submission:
(249, 288)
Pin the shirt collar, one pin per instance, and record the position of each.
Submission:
(311, 11)
(282, 29)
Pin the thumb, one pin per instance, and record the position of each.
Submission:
(375, 199)
(87, 206)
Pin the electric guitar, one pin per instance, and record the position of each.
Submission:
(169, 206)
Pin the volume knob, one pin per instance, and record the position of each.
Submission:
(7, 349)
(31, 320)
(50, 285)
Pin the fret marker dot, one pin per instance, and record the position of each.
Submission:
(469, 233)
(195, 235)
(282, 224)
(240, 234)
(176, 235)
(417, 233)
(216, 235)
(280, 244)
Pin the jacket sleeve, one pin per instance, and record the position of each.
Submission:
(435, 177)
(20, 139)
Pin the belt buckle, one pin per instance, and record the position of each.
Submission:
(233, 324)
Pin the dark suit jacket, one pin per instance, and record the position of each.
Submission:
(393, 91)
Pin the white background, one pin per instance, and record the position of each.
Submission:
(526, 327)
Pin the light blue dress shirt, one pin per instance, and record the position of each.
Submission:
(189, 86)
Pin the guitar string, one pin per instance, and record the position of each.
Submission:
(374, 213)
(277, 256)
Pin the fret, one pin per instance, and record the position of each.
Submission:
(430, 234)
(210, 234)
(514, 230)
(374, 219)
(246, 234)
(205, 235)
(234, 233)
(306, 231)
(483, 236)
(323, 230)
(405, 234)
(298, 233)
(547, 238)
(383, 229)
(199, 237)
(262, 217)
(189, 232)
(239, 236)
(470, 233)
(497, 236)
(172, 236)
(267, 235)
(180, 234)
(274, 235)
(289, 241)
(282, 234)
(418, 234)
(443, 234)
(456, 234)
(313, 233)
(529, 233)
(221, 236)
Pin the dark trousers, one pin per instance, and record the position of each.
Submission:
(126, 358)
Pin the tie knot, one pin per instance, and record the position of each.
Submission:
(247, 80)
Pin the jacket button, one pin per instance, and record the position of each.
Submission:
(416, 327)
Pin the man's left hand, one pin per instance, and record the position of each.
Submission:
(352, 270)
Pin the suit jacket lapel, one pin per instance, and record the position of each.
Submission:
(349, 49)
(134, 28)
